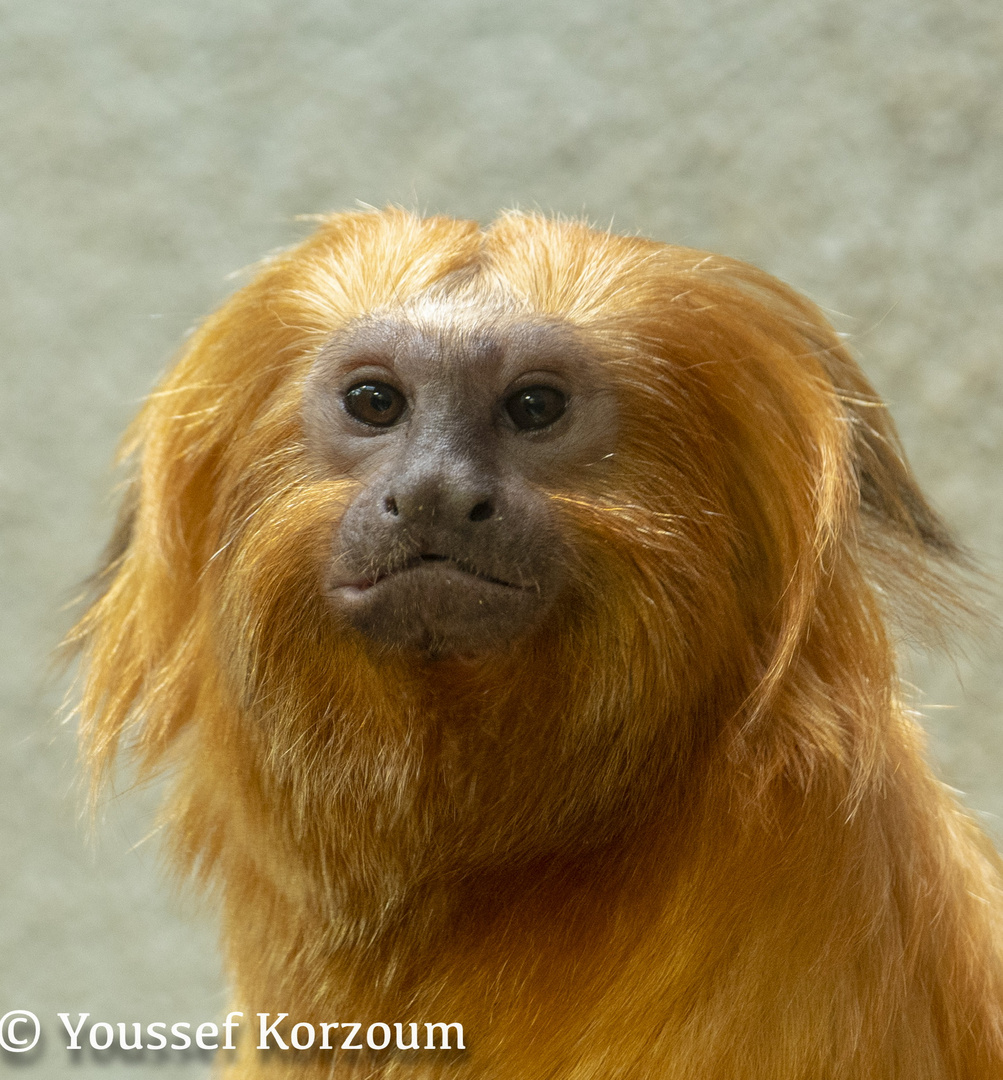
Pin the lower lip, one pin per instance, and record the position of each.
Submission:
(359, 586)
(363, 585)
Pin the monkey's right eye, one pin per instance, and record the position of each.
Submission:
(375, 403)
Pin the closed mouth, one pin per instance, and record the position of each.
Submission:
(421, 560)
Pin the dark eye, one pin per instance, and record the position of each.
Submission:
(535, 407)
(375, 403)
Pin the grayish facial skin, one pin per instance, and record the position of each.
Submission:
(453, 546)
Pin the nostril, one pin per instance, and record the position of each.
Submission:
(390, 505)
(481, 512)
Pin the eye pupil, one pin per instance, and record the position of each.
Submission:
(374, 403)
(534, 404)
(535, 407)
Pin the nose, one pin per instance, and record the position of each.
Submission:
(440, 497)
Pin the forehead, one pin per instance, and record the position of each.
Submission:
(444, 340)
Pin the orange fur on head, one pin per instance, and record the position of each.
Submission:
(578, 728)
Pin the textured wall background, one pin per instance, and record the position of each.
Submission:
(853, 148)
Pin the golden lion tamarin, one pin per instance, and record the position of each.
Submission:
(510, 607)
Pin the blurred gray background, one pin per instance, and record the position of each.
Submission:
(852, 147)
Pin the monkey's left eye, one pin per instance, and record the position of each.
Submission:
(535, 407)
(375, 403)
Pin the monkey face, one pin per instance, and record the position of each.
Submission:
(457, 426)
(622, 477)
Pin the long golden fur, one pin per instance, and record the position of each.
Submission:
(681, 829)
